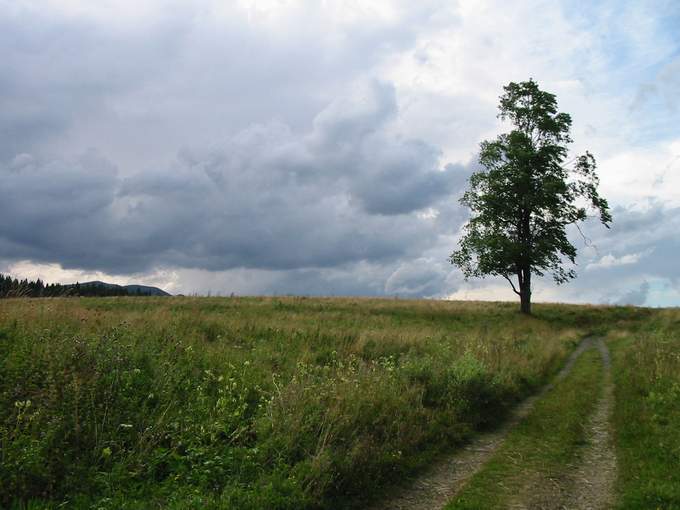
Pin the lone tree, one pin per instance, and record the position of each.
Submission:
(526, 196)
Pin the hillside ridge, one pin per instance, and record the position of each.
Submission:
(132, 288)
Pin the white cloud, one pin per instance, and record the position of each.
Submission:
(635, 175)
(610, 260)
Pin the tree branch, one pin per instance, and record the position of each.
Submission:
(511, 284)
(586, 240)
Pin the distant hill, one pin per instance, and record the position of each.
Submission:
(131, 289)
(15, 288)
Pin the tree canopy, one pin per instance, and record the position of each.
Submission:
(526, 196)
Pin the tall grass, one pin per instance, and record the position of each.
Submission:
(254, 402)
(647, 412)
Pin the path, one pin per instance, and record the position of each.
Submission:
(593, 483)
(436, 486)
(587, 485)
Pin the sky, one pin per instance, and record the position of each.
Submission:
(321, 147)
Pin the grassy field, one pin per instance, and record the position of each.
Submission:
(647, 413)
(280, 402)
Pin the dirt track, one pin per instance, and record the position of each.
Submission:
(588, 483)
(437, 485)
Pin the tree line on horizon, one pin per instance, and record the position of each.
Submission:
(14, 288)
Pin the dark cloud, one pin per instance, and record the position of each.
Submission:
(237, 147)
(55, 207)
(266, 198)
(309, 188)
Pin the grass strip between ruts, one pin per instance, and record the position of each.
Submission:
(547, 441)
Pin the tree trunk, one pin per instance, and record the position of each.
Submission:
(525, 292)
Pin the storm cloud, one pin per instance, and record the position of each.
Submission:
(319, 148)
(266, 198)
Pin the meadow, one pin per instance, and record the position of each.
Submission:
(290, 403)
(647, 413)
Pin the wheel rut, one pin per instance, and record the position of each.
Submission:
(589, 482)
(592, 483)
(444, 479)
